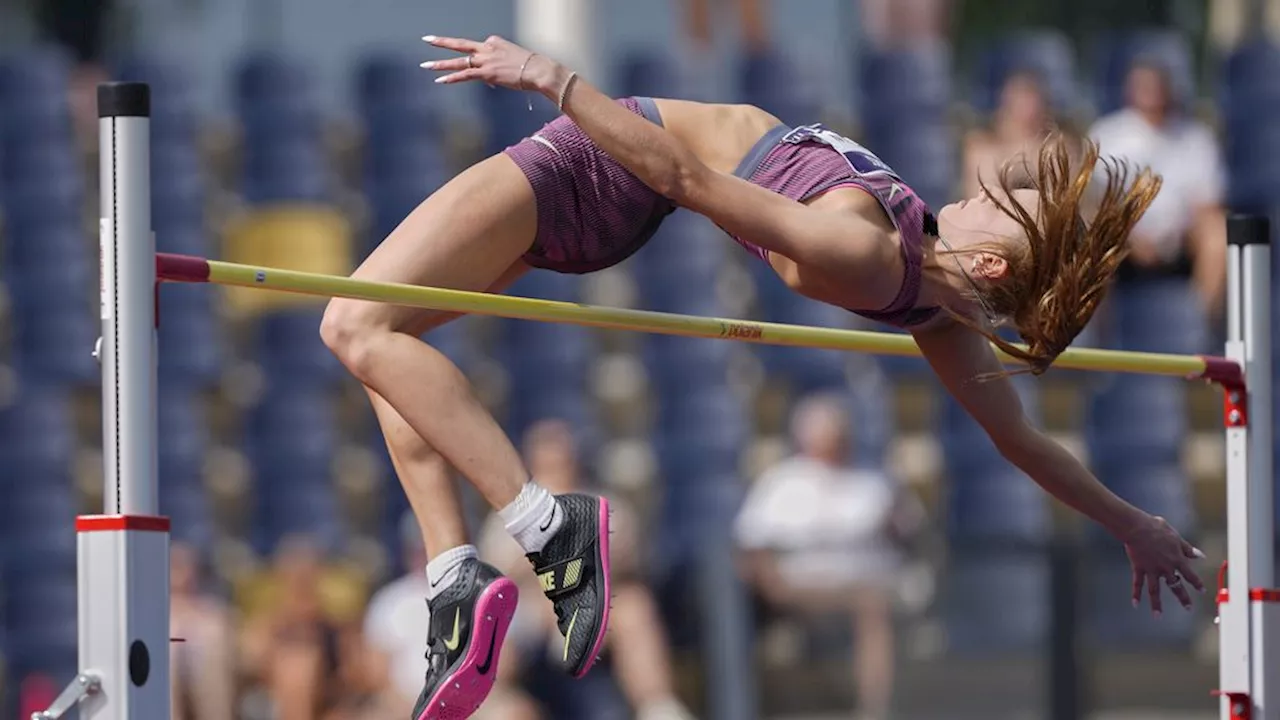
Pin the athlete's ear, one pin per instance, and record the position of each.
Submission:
(989, 266)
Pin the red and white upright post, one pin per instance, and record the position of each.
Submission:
(1248, 603)
(123, 554)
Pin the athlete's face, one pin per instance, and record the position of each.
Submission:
(972, 223)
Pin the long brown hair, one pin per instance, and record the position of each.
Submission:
(1057, 279)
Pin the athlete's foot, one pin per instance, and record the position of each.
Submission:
(573, 570)
(468, 623)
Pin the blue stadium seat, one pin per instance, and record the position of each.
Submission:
(177, 179)
(33, 96)
(293, 170)
(995, 601)
(292, 433)
(897, 84)
(64, 245)
(41, 162)
(40, 544)
(42, 602)
(57, 347)
(61, 287)
(405, 161)
(291, 440)
(183, 433)
(678, 365)
(39, 502)
(546, 344)
(181, 235)
(190, 346)
(1254, 181)
(453, 340)
(395, 97)
(312, 512)
(989, 499)
(1249, 90)
(173, 100)
(37, 424)
(289, 349)
(1137, 419)
(571, 405)
(1046, 53)
(264, 78)
(641, 73)
(547, 285)
(1116, 54)
(509, 118)
(1159, 488)
(770, 81)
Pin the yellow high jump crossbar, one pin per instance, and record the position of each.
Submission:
(182, 268)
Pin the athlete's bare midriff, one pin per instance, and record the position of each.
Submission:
(722, 135)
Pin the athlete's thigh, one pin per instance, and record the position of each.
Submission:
(468, 235)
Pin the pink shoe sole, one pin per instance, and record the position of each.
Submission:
(603, 564)
(462, 693)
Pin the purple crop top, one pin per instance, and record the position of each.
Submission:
(811, 160)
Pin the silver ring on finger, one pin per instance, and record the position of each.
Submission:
(470, 61)
(1174, 580)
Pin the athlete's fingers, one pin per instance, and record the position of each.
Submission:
(450, 65)
(461, 45)
(1153, 593)
(461, 76)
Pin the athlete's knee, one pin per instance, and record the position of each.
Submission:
(350, 330)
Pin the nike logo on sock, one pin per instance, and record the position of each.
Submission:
(550, 519)
(483, 667)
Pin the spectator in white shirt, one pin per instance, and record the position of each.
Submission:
(1183, 233)
(822, 536)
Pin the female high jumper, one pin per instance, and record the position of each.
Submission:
(836, 224)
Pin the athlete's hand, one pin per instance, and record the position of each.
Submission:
(1157, 552)
(495, 61)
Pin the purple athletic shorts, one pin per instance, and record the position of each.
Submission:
(592, 212)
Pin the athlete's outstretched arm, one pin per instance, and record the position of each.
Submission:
(836, 242)
(959, 355)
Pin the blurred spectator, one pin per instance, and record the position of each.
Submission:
(823, 537)
(80, 27)
(636, 653)
(202, 665)
(302, 652)
(895, 24)
(1182, 235)
(700, 23)
(1017, 126)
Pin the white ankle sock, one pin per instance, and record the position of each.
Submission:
(443, 570)
(533, 518)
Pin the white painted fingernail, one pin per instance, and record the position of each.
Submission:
(442, 78)
(428, 64)
(1198, 553)
(428, 38)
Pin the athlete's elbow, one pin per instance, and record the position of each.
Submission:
(681, 180)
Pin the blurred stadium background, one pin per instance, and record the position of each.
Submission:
(298, 132)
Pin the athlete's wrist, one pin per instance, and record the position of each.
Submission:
(547, 76)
